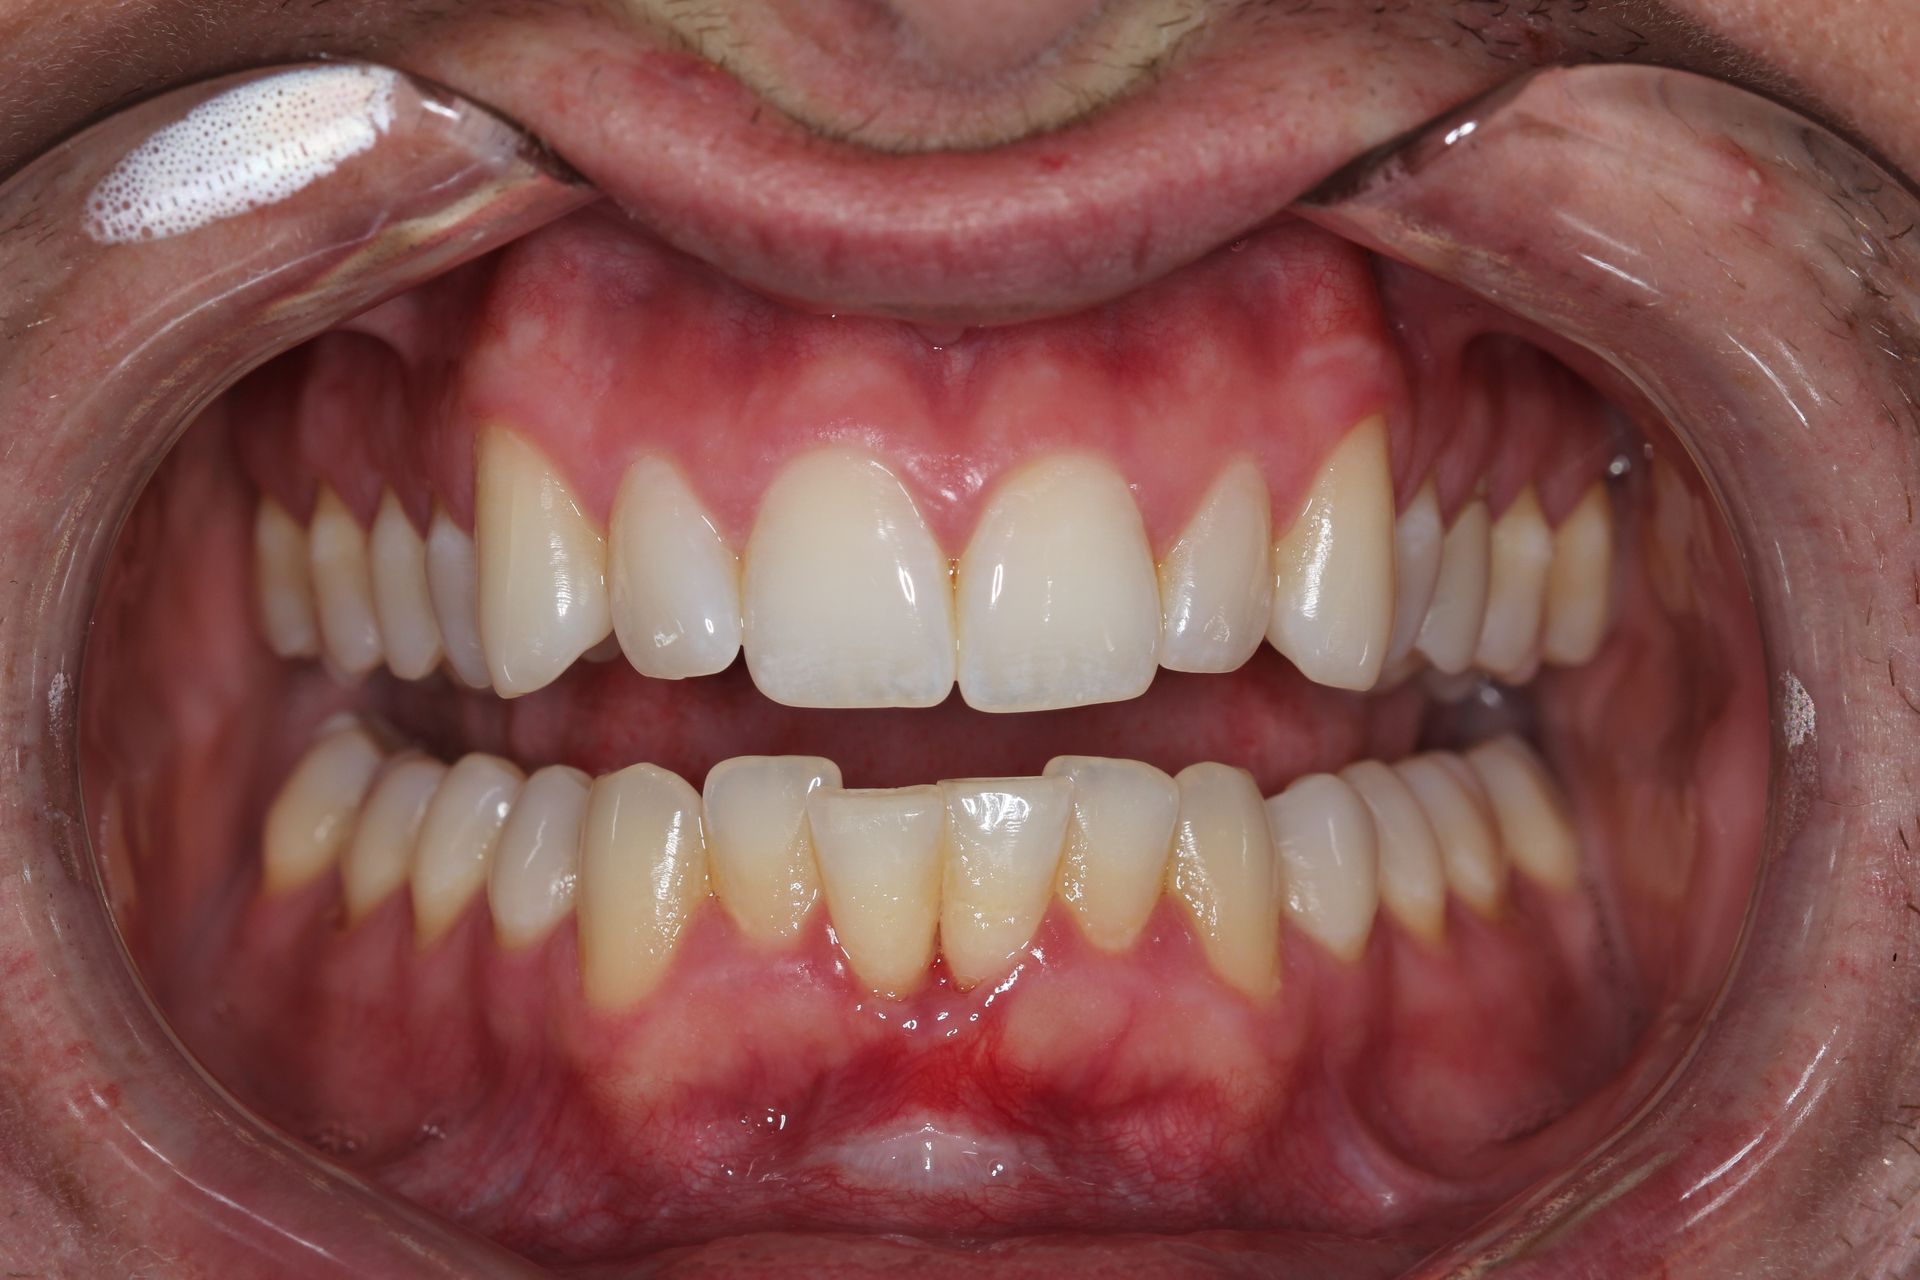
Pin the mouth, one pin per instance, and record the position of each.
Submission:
(660, 747)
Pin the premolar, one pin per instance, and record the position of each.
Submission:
(536, 865)
(1324, 836)
(1451, 628)
(457, 839)
(313, 814)
(343, 587)
(1521, 549)
(1579, 584)
(453, 583)
(378, 860)
(283, 583)
(401, 597)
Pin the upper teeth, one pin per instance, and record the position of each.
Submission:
(844, 598)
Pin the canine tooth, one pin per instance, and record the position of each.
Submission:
(536, 866)
(1334, 579)
(457, 840)
(1223, 873)
(1528, 809)
(1324, 836)
(1216, 584)
(313, 814)
(879, 855)
(1117, 845)
(283, 583)
(1580, 581)
(1413, 883)
(1457, 813)
(543, 567)
(643, 871)
(1452, 626)
(675, 581)
(453, 581)
(759, 843)
(848, 599)
(1002, 846)
(1417, 539)
(401, 599)
(343, 586)
(1521, 547)
(1057, 599)
(381, 852)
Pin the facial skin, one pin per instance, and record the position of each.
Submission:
(850, 99)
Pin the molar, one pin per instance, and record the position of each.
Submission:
(847, 598)
(1325, 838)
(880, 868)
(402, 600)
(643, 871)
(453, 582)
(1216, 583)
(1413, 883)
(313, 814)
(343, 587)
(1223, 874)
(1117, 845)
(283, 583)
(1057, 597)
(1527, 808)
(675, 581)
(760, 844)
(1580, 581)
(531, 885)
(1001, 849)
(457, 839)
(543, 567)
(1334, 577)
(1451, 628)
(378, 859)
(1521, 549)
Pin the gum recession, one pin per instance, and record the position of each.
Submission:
(1399, 1092)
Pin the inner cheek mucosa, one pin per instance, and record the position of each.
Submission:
(1306, 888)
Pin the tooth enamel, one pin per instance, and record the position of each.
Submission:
(1462, 827)
(381, 852)
(1529, 812)
(1580, 581)
(879, 854)
(536, 865)
(343, 586)
(1521, 547)
(643, 871)
(847, 597)
(1223, 874)
(453, 581)
(1413, 883)
(1001, 850)
(1334, 579)
(1417, 539)
(1216, 584)
(1452, 626)
(1056, 595)
(283, 583)
(1324, 836)
(675, 581)
(759, 844)
(457, 840)
(543, 567)
(313, 814)
(1115, 864)
(401, 599)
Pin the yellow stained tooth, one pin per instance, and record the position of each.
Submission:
(880, 869)
(283, 583)
(643, 871)
(760, 844)
(1580, 581)
(1118, 843)
(314, 813)
(1457, 811)
(1223, 873)
(1002, 844)
(1521, 548)
(1527, 807)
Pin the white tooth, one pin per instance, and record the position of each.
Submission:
(1580, 581)
(643, 872)
(457, 840)
(848, 600)
(283, 583)
(1216, 584)
(401, 598)
(543, 567)
(343, 586)
(1452, 626)
(453, 580)
(313, 814)
(1334, 581)
(879, 855)
(675, 581)
(377, 860)
(759, 843)
(1223, 873)
(1463, 827)
(1417, 539)
(1115, 866)
(1413, 883)
(1001, 849)
(1056, 595)
(537, 864)
(1529, 811)
(1324, 836)
(1522, 549)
